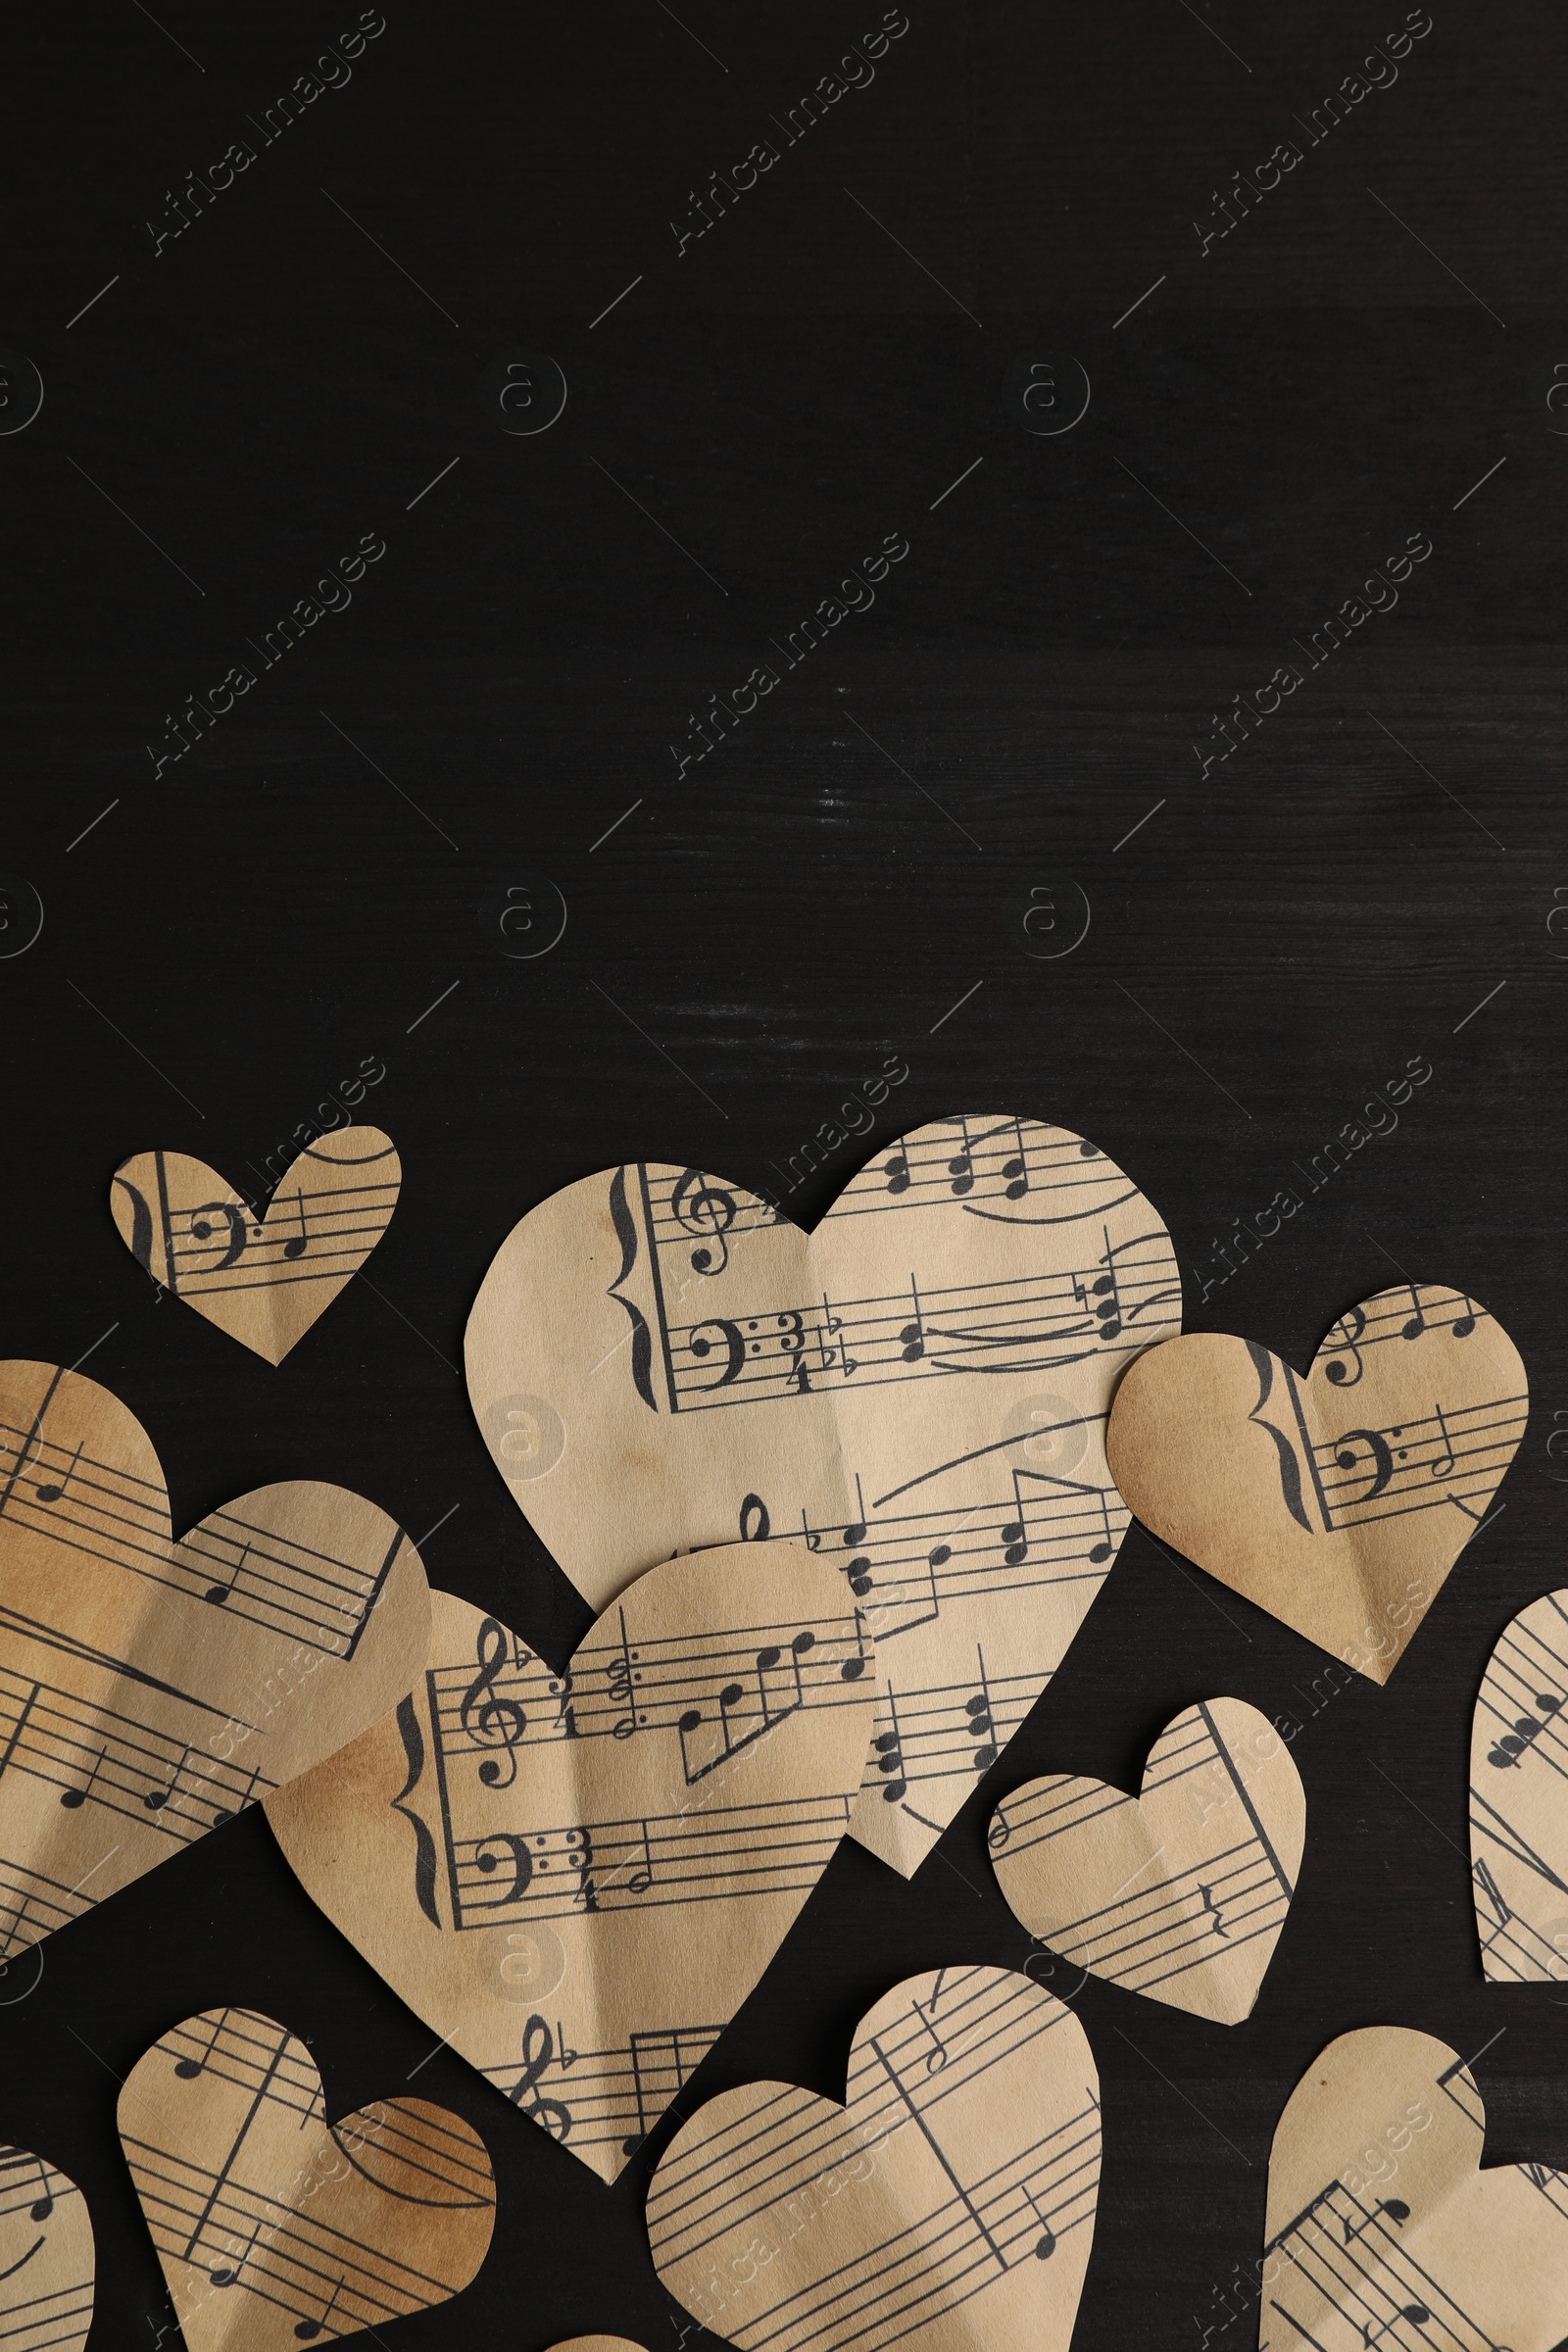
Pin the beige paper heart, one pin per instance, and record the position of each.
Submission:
(658, 1360)
(950, 2205)
(576, 1879)
(1383, 2231)
(265, 1280)
(1518, 1810)
(1179, 1893)
(47, 2263)
(150, 1689)
(1337, 1502)
(275, 2227)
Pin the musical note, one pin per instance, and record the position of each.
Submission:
(897, 1172)
(188, 2068)
(53, 1493)
(981, 1724)
(295, 1248)
(157, 1798)
(1015, 1170)
(309, 2329)
(911, 1339)
(73, 1798)
(888, 1749)
(852, 1667)
(1443, 1466)
(1417, 1323)
(219, 1593)
(1464, 1325)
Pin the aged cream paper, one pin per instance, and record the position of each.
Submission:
(576, 1879)
(1179, 1893)
(150, 1689)
(1519, 1799)
(47, 2267)
(1382, 2231)
(263, 1280)
(1340, 1501)
(948, 2206)
(275, 2227)
(660, 1360)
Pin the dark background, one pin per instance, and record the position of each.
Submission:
(231, 937)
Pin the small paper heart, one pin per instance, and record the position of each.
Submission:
(275, 2227)
(47, 2262)
(1518, 1810)
(263, 1280)
(150, 1689)
(1383, 2229)
(948, 2204)
(575, 1879)
(1179, 1893)
(660, 1360)
(1340, 1501)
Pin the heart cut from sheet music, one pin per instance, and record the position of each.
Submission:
(263, 1280)
(948, 2204)
(660, 1360)
(1382, 2227)
(47, 2262)
(575, 1879)
(1518, 1805)
(150, 1689)
(275, 2227)
(1179, 1893)
(1340, 1501)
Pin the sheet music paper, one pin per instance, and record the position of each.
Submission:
(263, 1280)
(1340, 1501)
(659, 1361)
(576, 1879)
(150, 1689)
(949, 2205)
(1382, 2234)
(46, 2257)
(1180, 1893)
(1519, 1799)
(275, 2227)
(597, 2343)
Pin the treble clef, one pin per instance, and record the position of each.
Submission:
(497, 1719)
(538, 2056)
(704, 1208)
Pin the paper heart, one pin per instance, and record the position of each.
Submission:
(660, 1360)
(1179, 1893)
(262, 1280)
(275, 2227)
(1382, 2231)
(1518, 1812)
(597, 2343)
(150, 1689)
(47, 2264)
(1340, 1501)
(576, 1879)
(950, 2204)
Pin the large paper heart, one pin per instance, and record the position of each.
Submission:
(275, 2227)
(660, 1360)
(263, 1280)
(150, 1689)
(576, 1879)
(1181, 1891)
(47, 2265)
(1341, 1501)
(1382, 2231)
(1518, 1806)
(950, 2205)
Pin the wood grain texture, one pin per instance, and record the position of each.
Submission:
(754, 940)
